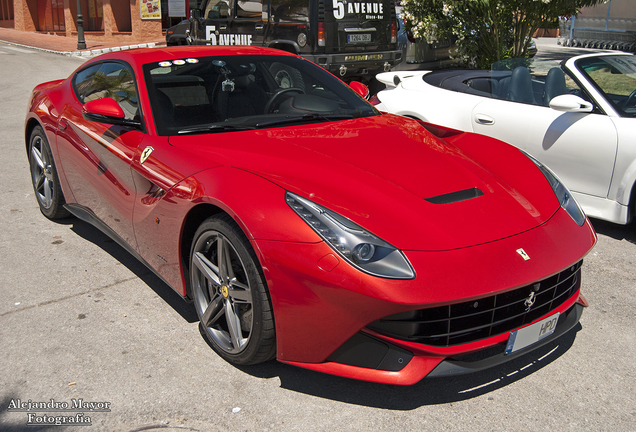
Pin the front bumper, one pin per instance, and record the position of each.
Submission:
(465, 364)
(321, 303)
(396, 365)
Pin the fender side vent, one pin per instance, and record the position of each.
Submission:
(454, 197)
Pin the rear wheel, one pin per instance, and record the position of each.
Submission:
(230, 294)
(46, 184)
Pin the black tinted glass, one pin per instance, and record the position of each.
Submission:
(197, 95)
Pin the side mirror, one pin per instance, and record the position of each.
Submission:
(195, 14)
(570, 103)
(359, 88)
(107, 110)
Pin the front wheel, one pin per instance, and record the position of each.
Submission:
(46, 184)
(230, 294)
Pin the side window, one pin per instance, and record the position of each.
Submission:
(249, 9)
(113, 80)
(217, 9)
(290, 11)
(83, 80)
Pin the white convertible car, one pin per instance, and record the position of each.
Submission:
(577, 117)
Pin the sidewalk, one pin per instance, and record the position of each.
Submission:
(67, 45)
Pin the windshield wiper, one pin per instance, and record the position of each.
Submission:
(304, 118)
(215, 128)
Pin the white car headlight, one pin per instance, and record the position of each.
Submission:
(562, 193)
(356, 245)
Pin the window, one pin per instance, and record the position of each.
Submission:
(615, 77)
(290, 10)
(217, 9)
(112, 80)
(237, 93)
(249, 9)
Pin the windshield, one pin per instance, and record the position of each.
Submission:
(615, 77)
(228, 93)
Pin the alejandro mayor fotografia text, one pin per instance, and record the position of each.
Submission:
(77, 406)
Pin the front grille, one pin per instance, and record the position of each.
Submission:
(482, 318)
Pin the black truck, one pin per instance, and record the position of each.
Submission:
(348, 38)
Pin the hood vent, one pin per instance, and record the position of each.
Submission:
(454, 197)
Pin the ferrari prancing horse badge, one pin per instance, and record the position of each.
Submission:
(145, 154)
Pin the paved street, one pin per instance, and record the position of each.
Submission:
(82, 319)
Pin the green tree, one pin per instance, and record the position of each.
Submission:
(486, 31)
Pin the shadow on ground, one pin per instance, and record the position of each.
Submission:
(615, 231)
(90, 233)
(429, 391)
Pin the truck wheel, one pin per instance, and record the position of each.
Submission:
(287, 77)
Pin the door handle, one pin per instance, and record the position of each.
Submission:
(484, 119)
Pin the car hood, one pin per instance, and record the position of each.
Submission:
(394, 178)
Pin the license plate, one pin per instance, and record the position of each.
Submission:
(362, 37)
(533, 333)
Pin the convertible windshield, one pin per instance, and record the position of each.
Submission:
(236, 93)
(615, 77)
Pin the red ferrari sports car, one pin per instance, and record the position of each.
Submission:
(302, 223)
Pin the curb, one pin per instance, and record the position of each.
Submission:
(88, 53)
(92, 53)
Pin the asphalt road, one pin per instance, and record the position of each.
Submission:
(81, 319)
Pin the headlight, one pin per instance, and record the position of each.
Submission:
(359, 247)
(562, 193)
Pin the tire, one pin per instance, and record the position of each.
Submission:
(46, 184)
(232, 302)
(287, 77)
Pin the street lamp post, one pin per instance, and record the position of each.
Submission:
(81, 43)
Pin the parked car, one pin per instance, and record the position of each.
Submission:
(281, 213)
(577, 117)
(349, 39)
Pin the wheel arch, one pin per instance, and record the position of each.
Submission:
(31, 124)
(191, 223)
(285, 45)
(195, 217)
(280, 223)
(626, 192)
(631, 207)
(177, 40)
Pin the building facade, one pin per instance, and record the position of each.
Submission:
(103, 20)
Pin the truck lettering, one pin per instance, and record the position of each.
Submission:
(210, 35)
(338, 9)
(226, 39)
(365, 8)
